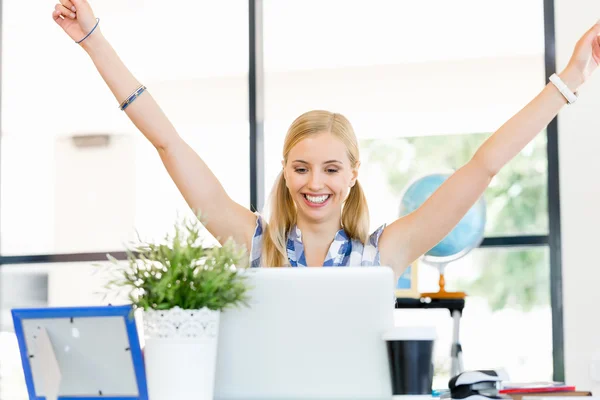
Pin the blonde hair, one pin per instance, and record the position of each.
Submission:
(355, 213)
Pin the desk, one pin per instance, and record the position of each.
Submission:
(455, 306)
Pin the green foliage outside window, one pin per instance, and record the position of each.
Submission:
(516, 204)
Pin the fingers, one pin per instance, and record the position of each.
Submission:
(68, 5)
(78, 3)
(57, 16)
(60, 10)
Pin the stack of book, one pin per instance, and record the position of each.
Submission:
(522, 391)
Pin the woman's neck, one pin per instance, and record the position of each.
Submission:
(317, 238)
(321, 231)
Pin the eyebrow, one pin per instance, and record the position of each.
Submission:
(326, 162)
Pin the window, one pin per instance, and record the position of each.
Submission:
(395, 90)
(516, 199)
(76, 174)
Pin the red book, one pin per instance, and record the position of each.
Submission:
(542, 389)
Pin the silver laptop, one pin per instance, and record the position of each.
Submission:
(310, 333)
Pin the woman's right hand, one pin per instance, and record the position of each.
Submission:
(75, 17)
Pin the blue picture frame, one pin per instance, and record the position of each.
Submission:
(126, 312)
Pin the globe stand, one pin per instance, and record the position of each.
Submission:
(442, 293)
(456, 350)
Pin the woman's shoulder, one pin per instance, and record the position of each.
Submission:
(373, 239)
(260, 225)
(366, 254)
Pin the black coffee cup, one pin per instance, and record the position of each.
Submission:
(410, 356)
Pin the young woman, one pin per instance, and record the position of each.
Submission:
(319, 214)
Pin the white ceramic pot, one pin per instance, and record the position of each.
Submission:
(180, 353)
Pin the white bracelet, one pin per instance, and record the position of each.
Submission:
(563, 89)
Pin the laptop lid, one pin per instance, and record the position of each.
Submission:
(309, 333)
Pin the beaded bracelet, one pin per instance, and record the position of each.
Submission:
(86, 36)
(132, 97)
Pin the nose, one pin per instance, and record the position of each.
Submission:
(315, 182)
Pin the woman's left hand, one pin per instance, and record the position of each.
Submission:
(586, 55)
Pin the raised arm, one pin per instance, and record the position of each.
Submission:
(202, 191)
(411, 236)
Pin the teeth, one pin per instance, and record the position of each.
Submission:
(317, 199)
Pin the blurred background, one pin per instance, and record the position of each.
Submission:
(423, 83)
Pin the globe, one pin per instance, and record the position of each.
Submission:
(465, 236)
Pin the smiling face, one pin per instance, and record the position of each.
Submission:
(319, 175)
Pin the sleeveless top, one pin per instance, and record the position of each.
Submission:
(343, 251)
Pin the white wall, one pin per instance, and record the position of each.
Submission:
(579, 147)
(94, 193)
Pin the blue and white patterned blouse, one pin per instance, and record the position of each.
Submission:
(343, 251)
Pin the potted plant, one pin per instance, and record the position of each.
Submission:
(181, 287)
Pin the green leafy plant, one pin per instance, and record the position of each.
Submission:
(182, 272)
